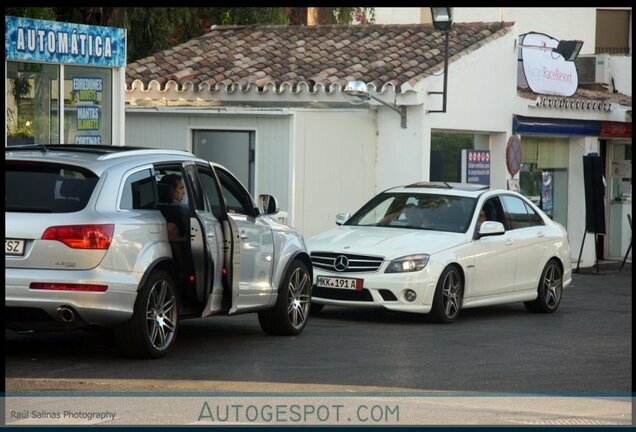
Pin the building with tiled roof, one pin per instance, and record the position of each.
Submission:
(321, 58)
(269, 102)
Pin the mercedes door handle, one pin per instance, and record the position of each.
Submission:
(540, 234)
(244, 236)
(509, 242)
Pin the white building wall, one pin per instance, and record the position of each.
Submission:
(401, 15)
(560, 23)
(402, 153)
(479, 101)
(119, 103)
(334, 158)
(621, 67)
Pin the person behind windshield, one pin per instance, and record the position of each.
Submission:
(415, 215)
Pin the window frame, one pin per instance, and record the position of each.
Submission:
(222, 175)
(125, 178)
(203, 169)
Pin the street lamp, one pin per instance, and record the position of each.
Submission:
(568, 49)
(442, 20)
(360, 90)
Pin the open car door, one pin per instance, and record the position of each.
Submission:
(223, 241)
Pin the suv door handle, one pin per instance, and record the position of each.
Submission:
(243, 235)
(540, 234)
(509, 242)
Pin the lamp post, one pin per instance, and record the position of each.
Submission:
(442, 20)
(360, 90)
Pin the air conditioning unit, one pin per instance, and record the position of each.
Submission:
(593, 68)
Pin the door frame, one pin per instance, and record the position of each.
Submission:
(254, 136)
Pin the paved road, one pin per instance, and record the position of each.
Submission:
(584, 347)
(347, 367)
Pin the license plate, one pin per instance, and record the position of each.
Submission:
(13, 247)
(336, 282)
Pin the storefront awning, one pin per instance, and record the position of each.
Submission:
(537, 125)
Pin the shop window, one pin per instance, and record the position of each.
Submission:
(446, 153)
(613, 31)
(544, 175)
(87, 105)
(621, 172)
(32, 103)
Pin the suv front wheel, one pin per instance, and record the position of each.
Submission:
(290, 313)
(152, 330)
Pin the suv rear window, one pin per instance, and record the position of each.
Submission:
(47, 188)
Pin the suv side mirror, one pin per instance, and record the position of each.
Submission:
(267, 204)
(341, 218)
(489, 228)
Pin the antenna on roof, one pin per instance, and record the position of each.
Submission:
(44, 149)
(447, 185)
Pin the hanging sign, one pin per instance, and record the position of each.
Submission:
(476, 166)
(87, 88)
(616, 129)
(542, 69)
(513, 155)
(59, 42)
(88, 117)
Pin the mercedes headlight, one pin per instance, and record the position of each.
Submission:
(408, 263)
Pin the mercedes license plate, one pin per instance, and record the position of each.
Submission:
(338, 282)
(13, 247)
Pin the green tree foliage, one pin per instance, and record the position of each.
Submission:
(43, 13)
(153, 29)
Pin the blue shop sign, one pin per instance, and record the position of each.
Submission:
(58, 42)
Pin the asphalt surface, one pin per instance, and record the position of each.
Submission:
(585, 347)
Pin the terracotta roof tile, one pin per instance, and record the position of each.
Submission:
(262, 54)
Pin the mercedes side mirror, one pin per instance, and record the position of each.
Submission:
(489, 228)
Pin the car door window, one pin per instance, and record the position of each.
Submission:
(535, 219)
(517, 212)
(197, 193)
(237, 199)
(493, 211)
(208, 183)
(138, 192)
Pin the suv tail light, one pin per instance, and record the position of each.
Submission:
(81, 236)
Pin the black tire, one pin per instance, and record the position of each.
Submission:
(447, 300)
(288, 317)
(316, 308)
(152, 330)
(549, 290)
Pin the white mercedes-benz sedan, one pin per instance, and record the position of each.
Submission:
(438, 248)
